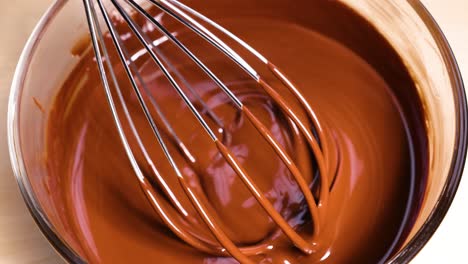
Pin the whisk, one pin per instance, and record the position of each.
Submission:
(193, 20)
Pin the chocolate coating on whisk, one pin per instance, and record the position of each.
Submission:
(183, 14)
(366, 124)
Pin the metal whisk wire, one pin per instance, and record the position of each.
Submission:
(180, 12)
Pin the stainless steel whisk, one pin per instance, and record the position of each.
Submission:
(191, 19)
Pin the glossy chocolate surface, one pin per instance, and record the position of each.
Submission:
(350, 76)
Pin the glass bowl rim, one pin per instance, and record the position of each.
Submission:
(403, 256)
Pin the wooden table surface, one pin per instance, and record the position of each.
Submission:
(20, 239)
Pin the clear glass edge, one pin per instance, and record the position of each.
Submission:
(427, 230)
(17, 163)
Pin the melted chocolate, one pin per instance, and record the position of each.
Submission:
(354, 81)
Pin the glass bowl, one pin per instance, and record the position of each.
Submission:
(406, 25)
